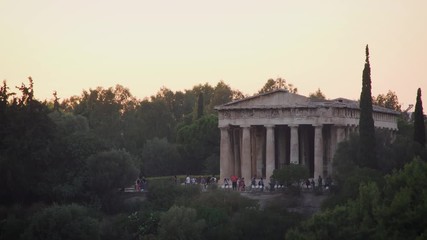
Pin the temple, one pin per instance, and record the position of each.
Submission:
(267, 131)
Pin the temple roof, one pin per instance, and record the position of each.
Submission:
(281, 98)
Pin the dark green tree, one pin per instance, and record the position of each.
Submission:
(318, 95)
(63, 222)
(200, 106)
(419, 127)
(388, 100)
(279, 83)
(367, 153)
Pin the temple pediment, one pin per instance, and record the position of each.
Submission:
(274, 99)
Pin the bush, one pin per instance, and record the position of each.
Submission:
(180, 223)
(162, 194)
(63, 222)
(291, 174)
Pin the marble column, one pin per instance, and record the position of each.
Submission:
(246, 154)
(294, 148)
(270, 152)
(340, 134)
(226, 163)
(318, 152)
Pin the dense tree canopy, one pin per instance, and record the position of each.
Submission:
(388, 100)
(80, 153)
(279, 83)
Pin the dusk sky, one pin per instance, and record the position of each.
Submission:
(71, 46)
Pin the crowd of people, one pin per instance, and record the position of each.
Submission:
(238, 183)
(311, 184)
(201, 180)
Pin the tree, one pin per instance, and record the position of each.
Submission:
(419, 127)
(25, 146)
(395, 210)
(318, 95)
(199, 141)
(388, 100)
(199, 107)
(160, 158)
(279, 83)
(63, 222)
(180, 223)
(291, 174)
(106, 173)
(222, 94)
(367, 153)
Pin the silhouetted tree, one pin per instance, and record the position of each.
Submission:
(279, 83)
(200, 106)
(318, 95)
(367, 153)
(419, 127)
(388, 100)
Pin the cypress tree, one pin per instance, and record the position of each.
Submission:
(367, 151)
(200, 106)
(419, 127)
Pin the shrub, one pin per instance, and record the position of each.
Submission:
(63, 222)
(180, 223)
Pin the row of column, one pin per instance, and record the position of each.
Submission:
(227, 166)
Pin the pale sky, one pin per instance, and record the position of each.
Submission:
(73, 45)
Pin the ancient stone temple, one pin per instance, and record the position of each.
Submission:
(267, 131)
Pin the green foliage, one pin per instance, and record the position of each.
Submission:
(262, 224)
(26, 136)
(367, 153)
(222, 94)
(396, 212)
(63, 222)
(162, 194)
(292, 174)
(318, 95)
(279, 83)
(419, 125)
(199, 141)
(200, 107)
(156, 120)
(143, 224)
(180, 223)
(106, 173)
(159, 157)
(388, 100)
(227, 202)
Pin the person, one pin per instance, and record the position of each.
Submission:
(203, 182)
(234, 182)
(313, 183)
(187, 180)
(261, 183)
(253, 182)
(137, 184)
(143, 184)
(307, 183)
(242, 184)
(175, 179)
(319, 181)
(213, 179)
(226, 183)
